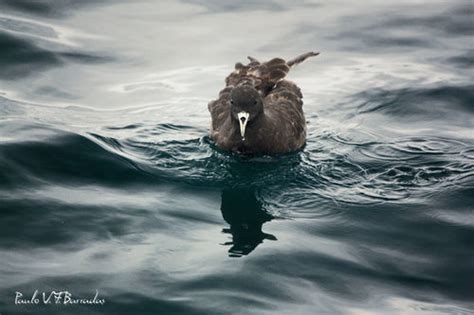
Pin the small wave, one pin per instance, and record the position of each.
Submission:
(330, 167)
(37, 154)
(27, 27)
(327, 170)
(435, 101)
(46, 8)
(126, 127)
(410, 148)
(24, 54)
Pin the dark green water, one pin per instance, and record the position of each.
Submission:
(109, 182)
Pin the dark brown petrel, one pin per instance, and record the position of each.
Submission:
(258, 112)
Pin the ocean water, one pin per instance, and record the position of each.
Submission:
(109, 182)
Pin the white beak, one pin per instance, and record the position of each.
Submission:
(243, 119)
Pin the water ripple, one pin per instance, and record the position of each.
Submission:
(330, 167)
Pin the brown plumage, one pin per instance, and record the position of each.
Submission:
(258, 112)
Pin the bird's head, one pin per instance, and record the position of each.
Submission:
(246, 105)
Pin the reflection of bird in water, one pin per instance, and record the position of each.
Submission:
(245, 215)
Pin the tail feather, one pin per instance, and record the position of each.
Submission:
(264, 76)
(301, 58)
(253, 60)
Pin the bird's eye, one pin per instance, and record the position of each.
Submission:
(255, 102)
(232, 102)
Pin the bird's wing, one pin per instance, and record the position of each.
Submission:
(220, 108)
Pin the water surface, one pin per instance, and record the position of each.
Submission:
(109, 181)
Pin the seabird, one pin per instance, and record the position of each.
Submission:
(258, 111)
